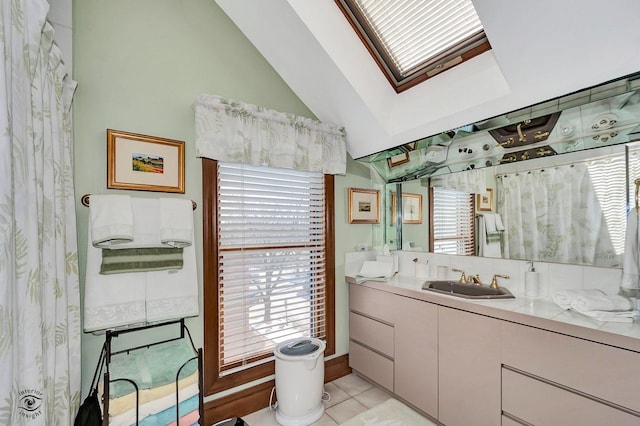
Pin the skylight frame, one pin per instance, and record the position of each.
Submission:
(464, 50)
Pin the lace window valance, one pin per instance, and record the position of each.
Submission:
(238, 132)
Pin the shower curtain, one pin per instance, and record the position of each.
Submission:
(39, 290)
(557, 215)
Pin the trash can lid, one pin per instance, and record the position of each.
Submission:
(299, 347)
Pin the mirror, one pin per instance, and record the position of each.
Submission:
(575, 128)
(603, 115)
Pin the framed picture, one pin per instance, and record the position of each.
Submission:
(396, 160)
(411, 146)
(144, 163)
(411, 208)
(364, 205)
(484, 201)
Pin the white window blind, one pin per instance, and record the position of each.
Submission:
(453, 222)
(271, 261)
(413, 32)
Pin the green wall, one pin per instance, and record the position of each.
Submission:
(139, 66)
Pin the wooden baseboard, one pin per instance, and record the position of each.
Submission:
(257, 397)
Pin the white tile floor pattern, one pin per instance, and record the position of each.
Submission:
(350, 396)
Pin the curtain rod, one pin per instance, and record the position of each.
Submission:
(85, 201)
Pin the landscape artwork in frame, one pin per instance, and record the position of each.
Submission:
(411, 208)
(485, 200)
(144, 163)
(364, 205)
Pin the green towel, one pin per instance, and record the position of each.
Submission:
(120, 261)
(151, 367)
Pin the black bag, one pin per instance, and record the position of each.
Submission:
(90, 413)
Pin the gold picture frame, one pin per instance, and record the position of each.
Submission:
(411, 208)
(396, 160)
(484, 201)
(144, 163)
(364, 205)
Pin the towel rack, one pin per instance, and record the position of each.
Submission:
(637, 182)
(85, 200)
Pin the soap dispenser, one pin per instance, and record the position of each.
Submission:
(531, 282)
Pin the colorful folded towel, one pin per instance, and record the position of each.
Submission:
(151, 367)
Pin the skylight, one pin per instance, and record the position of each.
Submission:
(412, 40)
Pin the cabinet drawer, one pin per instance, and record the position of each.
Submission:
(371, 364)
(368, 301)
(372, 333)
(539, 403)
(603, 371)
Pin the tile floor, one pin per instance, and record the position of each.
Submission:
(350, 396)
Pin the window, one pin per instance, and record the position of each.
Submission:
(269, 266)
(413, 40)
(452, 222)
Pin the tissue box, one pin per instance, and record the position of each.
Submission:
(389, 258)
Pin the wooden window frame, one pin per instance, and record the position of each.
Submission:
(213, 381)
(431, 221)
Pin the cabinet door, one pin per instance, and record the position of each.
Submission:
(416, 353)
(469, 368)
(540, 403)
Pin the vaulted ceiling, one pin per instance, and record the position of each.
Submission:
(541, 49)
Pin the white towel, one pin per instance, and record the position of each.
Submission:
(176, 222)
(563, 298)
(601, 302)
(111, 220)
(489, 223)
(147, 219)
(174, 294)
(375, 271)
(111, 300)
(631, 259)
(487, 248)
(607, 316)
(499, 225)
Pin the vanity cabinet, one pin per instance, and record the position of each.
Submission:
(371, 334)
(468, 368)
(549, 376)
(465, 368)
(416, 354)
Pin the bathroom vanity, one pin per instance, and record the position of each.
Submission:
(495, 362)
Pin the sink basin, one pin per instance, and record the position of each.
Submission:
(467, 291)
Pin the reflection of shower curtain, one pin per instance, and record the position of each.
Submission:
(556, 214)
(39, 294)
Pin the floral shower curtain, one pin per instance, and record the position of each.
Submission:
(563, 214)
(39, 290)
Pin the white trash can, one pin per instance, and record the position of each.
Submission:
(299, 381)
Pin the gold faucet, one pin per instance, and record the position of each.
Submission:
(494, 280)
(474, 279)
(463, 278)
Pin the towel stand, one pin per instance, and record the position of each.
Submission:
(183, 334)
(85, 201)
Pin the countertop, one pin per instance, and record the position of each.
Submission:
(540, 313)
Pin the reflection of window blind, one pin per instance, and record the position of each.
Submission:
(608, 180)
(453, 222)
(271, 261)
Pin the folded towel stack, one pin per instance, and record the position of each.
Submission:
(375, 271)
(597, 305)
(564, 298)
